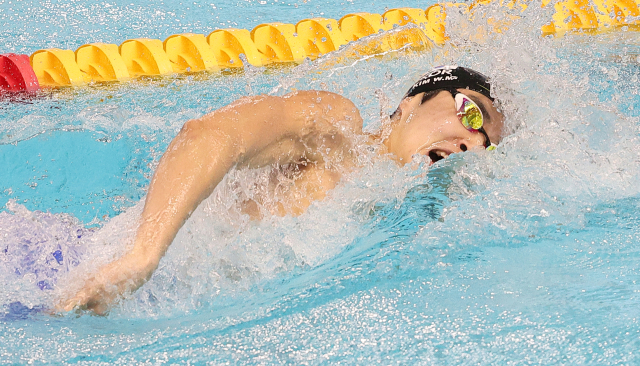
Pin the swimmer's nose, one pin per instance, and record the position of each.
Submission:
(471, 142)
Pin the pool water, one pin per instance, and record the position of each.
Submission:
(527, 254)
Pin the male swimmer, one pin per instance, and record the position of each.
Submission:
(449, 110)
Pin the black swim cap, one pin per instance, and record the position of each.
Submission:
(451, 76)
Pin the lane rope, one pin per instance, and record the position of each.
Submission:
(280, 43)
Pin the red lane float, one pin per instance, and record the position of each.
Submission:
(16, 74)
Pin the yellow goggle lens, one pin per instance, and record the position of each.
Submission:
(469, 112)
(471, 116)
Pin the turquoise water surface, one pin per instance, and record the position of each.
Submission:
(524, 255)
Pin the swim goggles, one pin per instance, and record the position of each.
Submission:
(470, 115)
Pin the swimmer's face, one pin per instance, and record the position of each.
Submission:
(433, 128)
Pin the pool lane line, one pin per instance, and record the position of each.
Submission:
(280, 43)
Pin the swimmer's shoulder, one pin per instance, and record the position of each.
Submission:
(299, 112)
(325, 106)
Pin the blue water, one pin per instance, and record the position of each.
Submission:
(523, 255)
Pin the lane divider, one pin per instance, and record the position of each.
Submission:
(16, 74)
(280, 43)
(229, 44)
(56, 67)
(358, 25)
(190, 52)
(101, 62)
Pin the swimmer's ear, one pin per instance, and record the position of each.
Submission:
(396, 114)
(404, 105)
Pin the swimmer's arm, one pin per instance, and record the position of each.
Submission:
(254, 132)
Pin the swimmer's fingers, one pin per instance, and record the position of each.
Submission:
(81, 306)
(78, 302)
(108, 285)
(69, 305)
(90, 298)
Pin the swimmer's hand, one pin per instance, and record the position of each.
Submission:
(252, 132)
(109, 284)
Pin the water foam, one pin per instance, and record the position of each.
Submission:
(524, 253)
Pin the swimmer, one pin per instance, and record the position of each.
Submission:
(449, 110)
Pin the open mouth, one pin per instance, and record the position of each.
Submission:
(436, 155)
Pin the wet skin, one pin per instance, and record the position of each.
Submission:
(433, 128)
(302, 128)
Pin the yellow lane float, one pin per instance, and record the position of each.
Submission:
(436, 17)
(613, 13)
(229, 44)
(101, 62)
(358, 25)
(278, 42)
(56, 67)
(571, 15)
(190, 52)
(145, 57)
(319, 36)
(404, 16)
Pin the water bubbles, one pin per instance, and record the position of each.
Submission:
(37, 248)
(417, 258)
